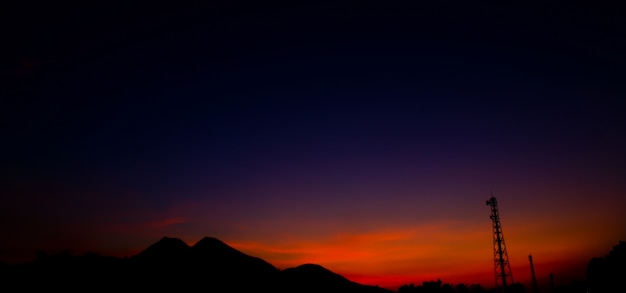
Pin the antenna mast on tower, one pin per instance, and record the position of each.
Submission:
(532, 274)
(502, 268)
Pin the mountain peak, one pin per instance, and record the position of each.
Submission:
(171, 242)
(320, 279)
(210, 245)
(167, 247)
(310, 268)
(209, 241)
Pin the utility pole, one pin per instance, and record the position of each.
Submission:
(532, 274)
(551, 282)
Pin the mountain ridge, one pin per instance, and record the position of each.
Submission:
(172, 264)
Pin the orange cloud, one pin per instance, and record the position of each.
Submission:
(385, 256)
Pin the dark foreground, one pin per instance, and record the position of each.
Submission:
(210, 265)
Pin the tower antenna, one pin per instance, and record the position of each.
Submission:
(532, 274)
(502, 268)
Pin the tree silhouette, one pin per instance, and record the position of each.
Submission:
(607, 274)
(441, 287)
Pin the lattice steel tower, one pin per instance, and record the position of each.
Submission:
(503, 274)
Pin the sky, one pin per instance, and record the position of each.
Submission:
(361, 136)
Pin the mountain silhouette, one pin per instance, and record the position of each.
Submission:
(212, 251)
(312, 273)
(315, 278)
(165, 249)
(212, 256)
(170, 264)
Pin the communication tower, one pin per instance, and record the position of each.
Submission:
(503, 274)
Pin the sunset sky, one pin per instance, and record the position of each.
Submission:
(364, 137)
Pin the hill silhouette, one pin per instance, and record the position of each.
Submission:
(171, 265)
(315, 278)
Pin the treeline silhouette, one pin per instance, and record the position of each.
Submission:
(608, 273)
(212, 266)
(441, 287)
(603, 275)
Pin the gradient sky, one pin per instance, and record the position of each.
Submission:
(363, 137)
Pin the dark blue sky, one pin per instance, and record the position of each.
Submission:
(117, 114)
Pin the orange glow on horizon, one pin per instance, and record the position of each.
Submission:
(387, 251)
(453, 252)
